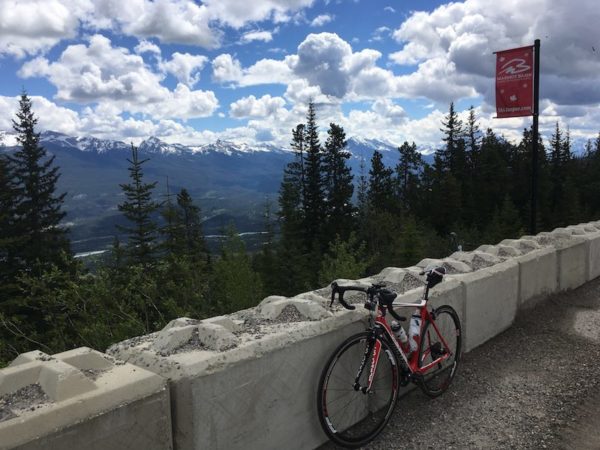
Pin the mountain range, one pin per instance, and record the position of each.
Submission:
(229, 181)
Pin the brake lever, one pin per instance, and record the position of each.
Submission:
(340, 291)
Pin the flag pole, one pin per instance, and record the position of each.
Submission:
(535, 137)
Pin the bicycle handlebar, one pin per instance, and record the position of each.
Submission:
(370, 291)
(336, 288)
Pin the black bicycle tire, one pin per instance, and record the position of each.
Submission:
(425, 387)
(337, 437)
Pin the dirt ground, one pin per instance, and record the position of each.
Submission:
(534, 386)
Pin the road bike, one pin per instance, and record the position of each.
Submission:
(358, 388)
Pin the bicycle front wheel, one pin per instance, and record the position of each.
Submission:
(348, 415)
(440, 342)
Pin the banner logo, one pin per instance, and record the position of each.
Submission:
(515, 66)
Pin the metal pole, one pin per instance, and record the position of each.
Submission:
(535, 137)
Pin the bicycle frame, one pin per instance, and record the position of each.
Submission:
(379, 325)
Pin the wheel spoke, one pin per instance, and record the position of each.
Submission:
(355, 416)
(440, 339)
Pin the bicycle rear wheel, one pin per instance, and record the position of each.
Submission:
(349, 416)
(435, 345)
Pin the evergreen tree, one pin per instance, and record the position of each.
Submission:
(170, 231)
(265, 261)
(7, 231)
(235, 285)
(383, 222)
(314, 195)
(590, 192)
(189, 224)
(362, 197)
(411, 243)
(556, 166)
(473, 136)
(292, 253)
(344, 259)
(37, 209)
(138, 208)
(338, 185)
(381, 186)
(452, 156)
(472, 179)
(407, 171)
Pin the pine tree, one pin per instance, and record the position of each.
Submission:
(452, 156)
(190, 224)
(338, 185)
(170, 231)
(473, 137)
(344, 259)
(314, 195)
(138, 208)
(381, 186)
(407, 171)
(7, 230)
(383, 222)
(265, 261)
(472, 178)
(292, 252)
(37, 209)
(235, 285)
(411, 243)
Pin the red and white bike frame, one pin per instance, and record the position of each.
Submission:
(412, 361)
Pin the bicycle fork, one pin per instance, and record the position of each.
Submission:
(373, 346)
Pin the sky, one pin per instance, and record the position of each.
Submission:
(192, 72)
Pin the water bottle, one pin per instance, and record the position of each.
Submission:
(414, 330)
(400, 333)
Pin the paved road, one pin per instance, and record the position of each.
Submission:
(537, 385)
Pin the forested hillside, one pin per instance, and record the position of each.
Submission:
(329, 221)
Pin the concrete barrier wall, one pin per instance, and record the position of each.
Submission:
(82, 399)
(248, 380)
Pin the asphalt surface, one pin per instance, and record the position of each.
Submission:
(535, 386)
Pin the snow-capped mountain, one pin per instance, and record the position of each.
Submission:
(85, 144)
(229, 181)
(154, 145)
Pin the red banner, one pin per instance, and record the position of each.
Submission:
(514, 82)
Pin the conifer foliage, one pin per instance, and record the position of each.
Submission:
(138, 208)
(37, 209)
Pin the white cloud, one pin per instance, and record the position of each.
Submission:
(264, 36)
(252, 107)
(98, 71)
(300, 92)
(380, 34)
(50, 116)
(185, 67)
(327, 61)
(267, 71)
(238, 13)
(102, 73)
(31, 26)
(227, 69)
(147, 47)
(171, 21)
(321, 60)
(462, 36)
(183, 103)
(320, 20)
